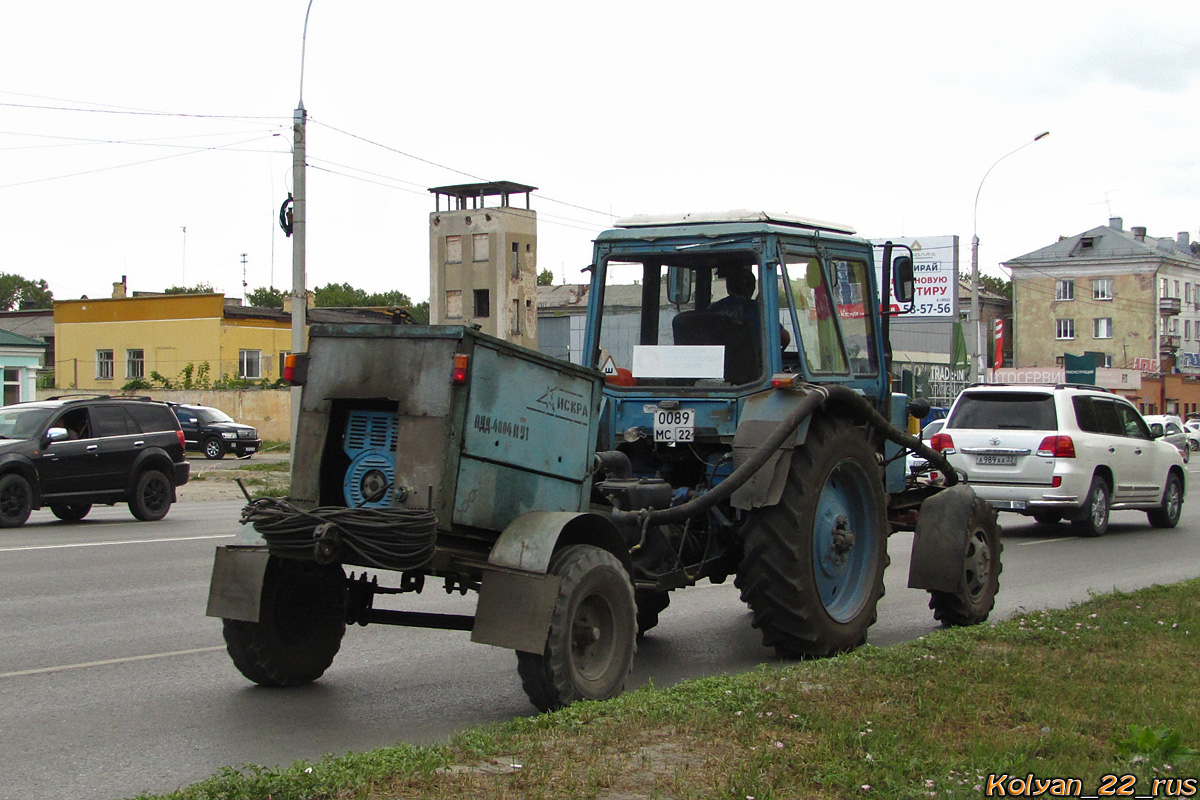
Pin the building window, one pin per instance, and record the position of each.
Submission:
(483, 303)
(479, 247)
(250, 364)
(135, 364)
(1102, 328)
(1187, 329)
(453, 249)
(12, 385)
(1176, 289)
(1064, 290)
(1187, 293)
(1064, 329)
(1164, 288)
(1102, 289)
(1105, 360)
(104, 365)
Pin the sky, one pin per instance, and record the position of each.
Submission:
(152, 139)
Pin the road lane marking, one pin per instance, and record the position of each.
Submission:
(107, 662)
(106, 544)
(1046, 541)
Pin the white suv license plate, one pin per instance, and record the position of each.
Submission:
(674, 425)
(996, 461)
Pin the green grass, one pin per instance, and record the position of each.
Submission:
(1109, 686)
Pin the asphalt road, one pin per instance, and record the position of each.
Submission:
(113, 682)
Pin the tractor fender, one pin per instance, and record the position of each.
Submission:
(516, 596)
(760, 415)
(940, 541)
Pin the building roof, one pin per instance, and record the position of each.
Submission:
(10, 339)
(381, 315)
(1109, 242)
(38, 323)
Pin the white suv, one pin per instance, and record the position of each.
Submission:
(1062, 451)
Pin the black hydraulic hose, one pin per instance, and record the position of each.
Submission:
(845, 402)
(839, 395)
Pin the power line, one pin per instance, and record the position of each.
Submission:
(143, 113)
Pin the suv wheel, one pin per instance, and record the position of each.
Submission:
(1094, 516)
(16, 500)
(70, 512)
(152, 496)
(214, 448)
(1167, 514)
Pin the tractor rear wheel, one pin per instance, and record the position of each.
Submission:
(590, 645)
(301, 620)
(812, 572)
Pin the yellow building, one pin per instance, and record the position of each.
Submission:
(101, 345)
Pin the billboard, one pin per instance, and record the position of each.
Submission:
(935, 275)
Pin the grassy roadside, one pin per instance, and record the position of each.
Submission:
(1107, 687)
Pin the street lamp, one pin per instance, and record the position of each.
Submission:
(980, 360)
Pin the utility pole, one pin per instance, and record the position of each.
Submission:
(299, 227)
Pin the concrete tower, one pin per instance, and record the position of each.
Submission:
(483, 260)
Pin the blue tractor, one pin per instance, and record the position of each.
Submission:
(732, 416)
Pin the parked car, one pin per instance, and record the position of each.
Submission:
(916, 464)
(70, 453)
(215, 433)
(1063, 451)
(1192, 427)
(1170, 429)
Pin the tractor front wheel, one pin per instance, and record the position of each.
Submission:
(981, 565)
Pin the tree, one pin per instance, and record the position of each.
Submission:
(264, 297)
(545, 278)
(343, 295)
(199, 288)
(996, 285)
(22, 294)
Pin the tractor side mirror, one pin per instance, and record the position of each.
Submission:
(679, 285)
(902, 279)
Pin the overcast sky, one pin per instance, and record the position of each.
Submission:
(885, 116)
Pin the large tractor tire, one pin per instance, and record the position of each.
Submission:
(812, 572)
(590, 645)
(981, 566)
(301, 620)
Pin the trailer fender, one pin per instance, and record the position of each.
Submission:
(237, 580)
(940, 541)
(760, 415)
(516, 596)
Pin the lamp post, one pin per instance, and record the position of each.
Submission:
(299, 226)
(980, 364)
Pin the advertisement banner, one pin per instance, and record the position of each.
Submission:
(935, 274)
(998, 353)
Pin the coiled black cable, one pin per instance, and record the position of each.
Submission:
(387, 538)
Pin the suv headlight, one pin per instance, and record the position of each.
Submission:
(228, 434)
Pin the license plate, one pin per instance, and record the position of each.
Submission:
(996, 461)
(674, 425)
(251, 449)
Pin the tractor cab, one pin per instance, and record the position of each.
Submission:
(690, 314)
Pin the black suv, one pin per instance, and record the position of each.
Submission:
(69, 453)
(215, 433)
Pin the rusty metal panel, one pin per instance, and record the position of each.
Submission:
(236, 586)
(514, 610)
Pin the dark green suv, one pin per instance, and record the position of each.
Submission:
(70, 453)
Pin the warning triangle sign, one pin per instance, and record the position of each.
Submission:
(610, 366)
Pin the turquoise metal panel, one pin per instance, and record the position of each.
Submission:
(894, 478)
(530, 416)
(491, 495)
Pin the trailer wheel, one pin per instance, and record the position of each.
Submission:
(590, 646)
(981, 572)
(301, 620)
(649, 605)
(812, 572)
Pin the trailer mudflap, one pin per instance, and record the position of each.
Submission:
(237, 579)
(939, 548)
(514, 609)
